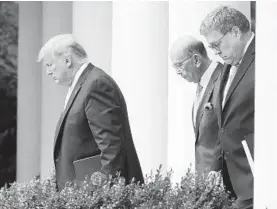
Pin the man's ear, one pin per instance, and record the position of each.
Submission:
(196, 60)
(68, 59)
(236, 31)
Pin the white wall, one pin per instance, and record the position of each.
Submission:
(28, 91)
(92, 27)
(265, 104)
(186, 17)
(139, 65)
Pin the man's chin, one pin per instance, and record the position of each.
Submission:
(184, 77)
(66, 84)
(227, 61)
(58, 82)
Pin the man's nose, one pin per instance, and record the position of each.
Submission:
(217, 52)
(49, 72)
(178, 70)
(184, 73)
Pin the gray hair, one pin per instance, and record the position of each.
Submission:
(62, 44)
(223, 19)
(197, 47)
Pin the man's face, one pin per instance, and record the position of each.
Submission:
(185, 67)
(227, 45)
(57, 68)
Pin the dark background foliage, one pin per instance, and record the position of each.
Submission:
(8, 90)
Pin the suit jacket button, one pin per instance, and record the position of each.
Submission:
(222, 130)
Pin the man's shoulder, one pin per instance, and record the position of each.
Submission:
(217, 71)
(99, 78)
(97, 74)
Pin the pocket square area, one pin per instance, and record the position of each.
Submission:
(208, 106)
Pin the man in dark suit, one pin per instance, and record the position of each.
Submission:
(95, 119)
(190, 59)
(228, 33)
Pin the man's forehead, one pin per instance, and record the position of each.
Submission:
(178, 54)
(213, 36)
(48, 59)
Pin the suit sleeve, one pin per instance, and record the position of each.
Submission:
(218, 154)
(218, 158)
(103, 115)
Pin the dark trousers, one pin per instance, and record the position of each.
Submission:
(240, 204)
(227, 181)
(244, 204)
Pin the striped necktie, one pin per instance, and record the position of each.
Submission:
(231, 76)
(197, 99)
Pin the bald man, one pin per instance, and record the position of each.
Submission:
(190, 59)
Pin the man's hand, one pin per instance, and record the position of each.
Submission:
(98, 178)
(215, 177)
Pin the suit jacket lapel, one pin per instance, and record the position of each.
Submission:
(192, 119)
(73, 95)
(206, 97)
(200, 111)
(246, 61)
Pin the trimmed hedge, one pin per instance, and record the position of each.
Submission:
(158, 192)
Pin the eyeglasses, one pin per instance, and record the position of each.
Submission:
(180, 64)
(216, 46)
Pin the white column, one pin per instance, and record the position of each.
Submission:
(29, 91)
(92, 27)
(140, 65)
(186, 17)
(266, 102)
(57, 19)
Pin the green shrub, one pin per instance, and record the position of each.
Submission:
(158, 192)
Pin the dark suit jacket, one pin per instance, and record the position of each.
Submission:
(206, 126)
(95, 121)
(236, 123)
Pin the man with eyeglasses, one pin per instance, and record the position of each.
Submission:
(190, 59)
(227, 31)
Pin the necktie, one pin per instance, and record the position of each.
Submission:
(231, 76)
(197, 99)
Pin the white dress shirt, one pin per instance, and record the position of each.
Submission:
(73, 84)
(204, 83)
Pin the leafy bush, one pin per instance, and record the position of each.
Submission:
(158, 192)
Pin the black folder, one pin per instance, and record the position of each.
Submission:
(86, 167)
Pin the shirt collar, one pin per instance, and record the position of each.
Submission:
(207, 74)
(78, 74)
